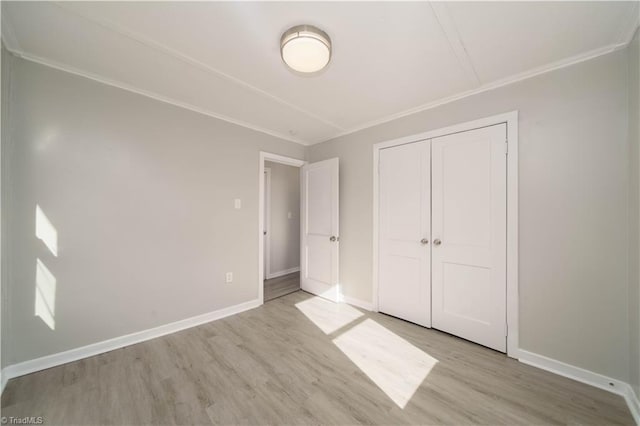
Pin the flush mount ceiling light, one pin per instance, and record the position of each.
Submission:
(305, 48)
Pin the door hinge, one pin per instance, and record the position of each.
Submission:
(506, 147)
(506, 330)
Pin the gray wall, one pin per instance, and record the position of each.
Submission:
(3, 247)
(4, 241)
(285, 232)
(573, 206)
(141, 196)
(634, 212)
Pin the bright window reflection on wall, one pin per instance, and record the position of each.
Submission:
(45, 294)
(46, 231)
(45, 298)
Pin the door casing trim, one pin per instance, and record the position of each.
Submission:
(275, 158)
(267, 229)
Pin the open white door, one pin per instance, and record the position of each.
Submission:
(319, 229)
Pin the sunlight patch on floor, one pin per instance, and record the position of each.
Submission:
(326, 315)
(393, 364)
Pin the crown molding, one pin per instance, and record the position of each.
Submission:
(625, 36)
(573, 60)
(628, 29)
(9, 38)
(149, 94)
(147, 42)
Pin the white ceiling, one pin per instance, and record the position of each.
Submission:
(389, 58)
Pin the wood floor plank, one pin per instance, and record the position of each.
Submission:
(287, 363)
(281, 286)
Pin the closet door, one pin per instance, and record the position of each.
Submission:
(469, 235)
(404, 252)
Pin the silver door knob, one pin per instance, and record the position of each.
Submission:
(424, 241)
(333, 239)
(437, 242)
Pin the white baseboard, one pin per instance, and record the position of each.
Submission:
(3, 380)
(367, 306)
(282, 273)
(579, 374)
(633, 403)
(572, 372)
(585, 376)
(60, 358)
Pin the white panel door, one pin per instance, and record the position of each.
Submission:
(469, 176)
(320, 231)
(404, 253)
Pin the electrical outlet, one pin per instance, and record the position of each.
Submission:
(237, 203)
(229, 277)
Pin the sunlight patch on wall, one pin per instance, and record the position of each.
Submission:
(326, 315)
(45, 294)
(396, 366)
(46, 232)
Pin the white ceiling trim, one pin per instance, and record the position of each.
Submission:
(628, 31)
(10, 42)
(450, 31)
(11, 45)
(152, 95)
(490, 86)
(139, 38)
(8, 35)
(626, 34)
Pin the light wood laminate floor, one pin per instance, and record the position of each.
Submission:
(303, 360)
(281, 286)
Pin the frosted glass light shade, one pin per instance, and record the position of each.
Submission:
(305, 48)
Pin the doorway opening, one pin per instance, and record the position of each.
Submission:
(279, 273)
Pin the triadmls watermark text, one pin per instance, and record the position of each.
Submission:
(27, 420)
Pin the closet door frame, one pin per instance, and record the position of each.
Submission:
(511, 147)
